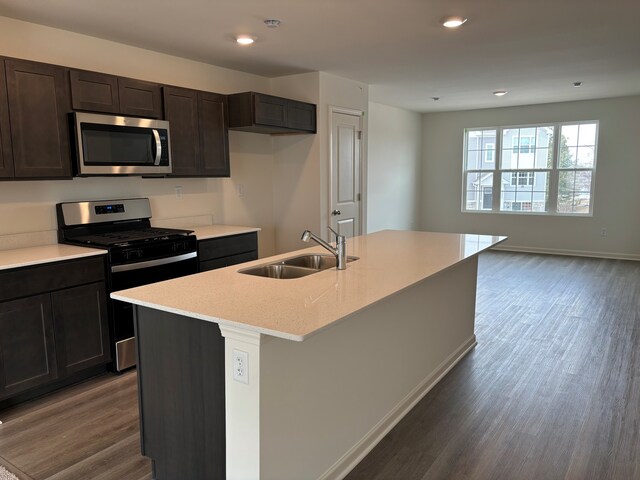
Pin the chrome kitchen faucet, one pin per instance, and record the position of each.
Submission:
(340, 250)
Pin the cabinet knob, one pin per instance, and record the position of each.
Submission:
(336, 212)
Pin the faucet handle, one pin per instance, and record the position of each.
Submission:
(336, 233)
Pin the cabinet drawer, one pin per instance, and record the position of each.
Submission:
(227, 261)
(227, 246)
(25, 281)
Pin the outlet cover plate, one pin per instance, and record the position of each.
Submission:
(240, 366)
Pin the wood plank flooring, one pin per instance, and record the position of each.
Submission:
(89, 431)
(552, 391)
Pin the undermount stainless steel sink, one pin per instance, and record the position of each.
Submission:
(295, 267)
(316, 261)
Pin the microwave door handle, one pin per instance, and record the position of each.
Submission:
(156, 135)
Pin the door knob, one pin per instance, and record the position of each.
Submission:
(336, 212)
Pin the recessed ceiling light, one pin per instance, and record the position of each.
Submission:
(500, 93)
(245, 40)
(272, 23)
(453, 22)
(577, 84)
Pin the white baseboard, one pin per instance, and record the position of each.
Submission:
(573, 253)
(349, 460)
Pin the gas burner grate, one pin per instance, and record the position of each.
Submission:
(130, 236)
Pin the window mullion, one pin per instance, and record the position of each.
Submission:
(553, 179)
(495, 204)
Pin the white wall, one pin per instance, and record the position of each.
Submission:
(301, 175)
(27, 213)
(616, 198)
(296, 187)
(394, 168)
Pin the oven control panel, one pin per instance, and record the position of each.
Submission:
(106, 209)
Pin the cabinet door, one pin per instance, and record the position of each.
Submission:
(6, 157)
(81, 328)
(301, 116)
(38, 107)
(27, 352)
(142, 99)
(181, 110)
(270, 110)
(93, 91)
(214, 134)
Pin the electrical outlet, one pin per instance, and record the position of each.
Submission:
(603, 232)
(240, 366)
(240, 190)
(178, 191)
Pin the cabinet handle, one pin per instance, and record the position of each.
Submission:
(336, 212)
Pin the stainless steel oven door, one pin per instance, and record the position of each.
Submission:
(134, 275)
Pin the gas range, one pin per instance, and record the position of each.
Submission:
(138, 254)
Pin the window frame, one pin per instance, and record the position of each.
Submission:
(553, 171)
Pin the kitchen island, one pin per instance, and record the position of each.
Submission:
(329, 362)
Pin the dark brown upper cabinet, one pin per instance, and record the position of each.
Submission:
(140, 99)
(199, 132)
(100, 92)
(261, 113)
(6, 156)
(39, 101)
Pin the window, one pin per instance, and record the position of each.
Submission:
(522, 178)
(489, 153)
(524, 144)
(544, 169)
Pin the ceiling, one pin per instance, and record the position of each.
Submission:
(535, 49)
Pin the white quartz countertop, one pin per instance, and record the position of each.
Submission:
(214, 231)
(294, 309)
(23, 257)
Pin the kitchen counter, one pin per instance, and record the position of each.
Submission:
(295, 309)
(214, 231)
(23, 257)
(249, 377)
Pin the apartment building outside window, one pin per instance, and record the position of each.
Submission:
(530, 171)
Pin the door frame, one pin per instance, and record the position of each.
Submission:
(362, 162)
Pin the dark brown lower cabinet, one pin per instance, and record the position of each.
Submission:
(27, 356)
(81, 328)
(225, 251)
(181, 395)
(53, 326)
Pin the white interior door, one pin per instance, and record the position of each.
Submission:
(346, 143)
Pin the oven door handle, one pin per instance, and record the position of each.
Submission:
(153, 263)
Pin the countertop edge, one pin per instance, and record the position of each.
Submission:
(229, 230)
(207, 318)
(91, 252)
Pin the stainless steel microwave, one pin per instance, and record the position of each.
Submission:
(116, 145)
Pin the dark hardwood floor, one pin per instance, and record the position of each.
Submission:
(552, 391)
(89, 431)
